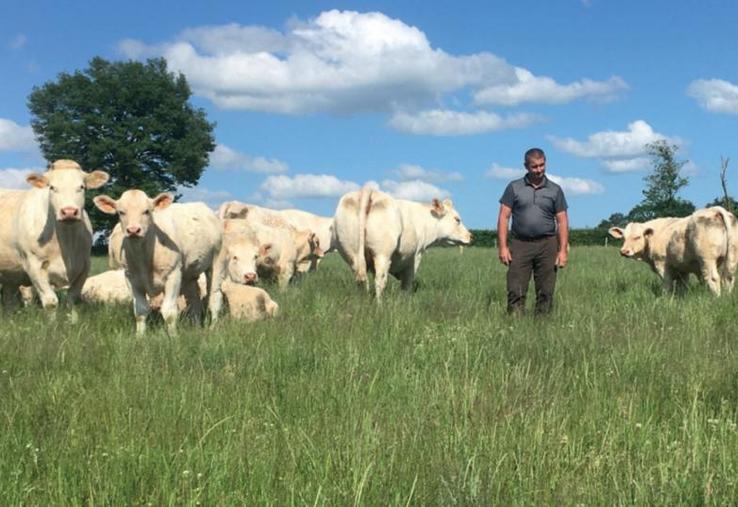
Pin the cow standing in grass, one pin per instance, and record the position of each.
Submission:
(378, 233)
(703, 244)
(165, 248)
(46, 235)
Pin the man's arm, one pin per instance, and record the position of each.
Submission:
(563, 256)
(502, 220)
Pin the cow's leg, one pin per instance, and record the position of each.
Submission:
(407, 277)
(668, 281)
(381, 272)
(215, 277)
(74, 294)
(39, 276)
(10, 295)
(711, 277)
(285, 275)
(169, 310)
(140, 306)
(191, 292)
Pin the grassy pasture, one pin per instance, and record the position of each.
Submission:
(622, 396)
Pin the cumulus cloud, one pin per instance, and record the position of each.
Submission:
(213, 198)
(499, 172)
(283, 188)
(543, 89)
(413, 190)
(225, 158)
(626, 165)
(715, 95)
(571, 186)
(14, 137)
(408, 172)
(443, 122)
(15, 178)
(629, 143)
(345, 62)
(577, 186)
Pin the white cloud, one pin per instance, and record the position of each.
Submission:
(212, 198)
(14, 137)
(340, 61)
(532, 88)
(415, 172)
(577, 186)
(16, 178)
(715, 95)
(443, 122)
(226, 158)
(690, 169)
(626, 164)
(414, 190)
(18, 41)
(499, 172)
(282, 188)
(630, 143)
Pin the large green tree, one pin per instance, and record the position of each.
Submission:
(131, 119)
(663, 183)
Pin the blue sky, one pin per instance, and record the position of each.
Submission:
(313, 99)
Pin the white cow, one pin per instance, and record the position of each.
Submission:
(321, 226)
(703, 244)
(283, 249)
(46, 235)
(248, 303)
(384, 235)
(107, 287)
(165, 249)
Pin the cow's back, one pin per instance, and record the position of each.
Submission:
(11, 269)
(321, 226)
(198, 234)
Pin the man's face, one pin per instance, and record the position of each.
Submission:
(536, 167)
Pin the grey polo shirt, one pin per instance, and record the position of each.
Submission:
(533, 209)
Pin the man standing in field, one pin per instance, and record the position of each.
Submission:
(540, 234)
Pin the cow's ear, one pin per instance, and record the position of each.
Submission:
(106, 204)
(616, 232)
(37, 180)
(162, 200)
(96, 179)
(648, 232)
(264, 249)
(437, 209)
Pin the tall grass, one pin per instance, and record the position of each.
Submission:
(436, 398)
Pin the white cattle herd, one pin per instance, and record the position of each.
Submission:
(173, 257)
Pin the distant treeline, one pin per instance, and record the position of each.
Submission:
(577, 237)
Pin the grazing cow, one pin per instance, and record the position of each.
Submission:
(703, 244)
(165, 248)
(321, 226)
(309, 246)
(283, 249)
(46, 235)
(378, 233)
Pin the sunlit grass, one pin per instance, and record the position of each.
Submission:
(620, 396)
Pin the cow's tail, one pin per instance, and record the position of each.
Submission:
(731, 228)
(365, 202)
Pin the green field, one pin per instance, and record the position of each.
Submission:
(622, 396)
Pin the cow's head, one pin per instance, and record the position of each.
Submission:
(635, 238)
(450, 228)
(232, 210)
(308, 249)
(134, 209)
(66, 183)
(241, 250)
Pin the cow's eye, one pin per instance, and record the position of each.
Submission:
(52, 188)
(121, 212)
(636, 237)
(458, 220)
(235, 257)
(81, 188)
(146, 212)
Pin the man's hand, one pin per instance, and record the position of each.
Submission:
(505, 256)
(562, 258)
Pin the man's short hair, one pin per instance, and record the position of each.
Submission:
(534, 153)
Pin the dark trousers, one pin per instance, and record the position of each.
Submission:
(539, 258)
